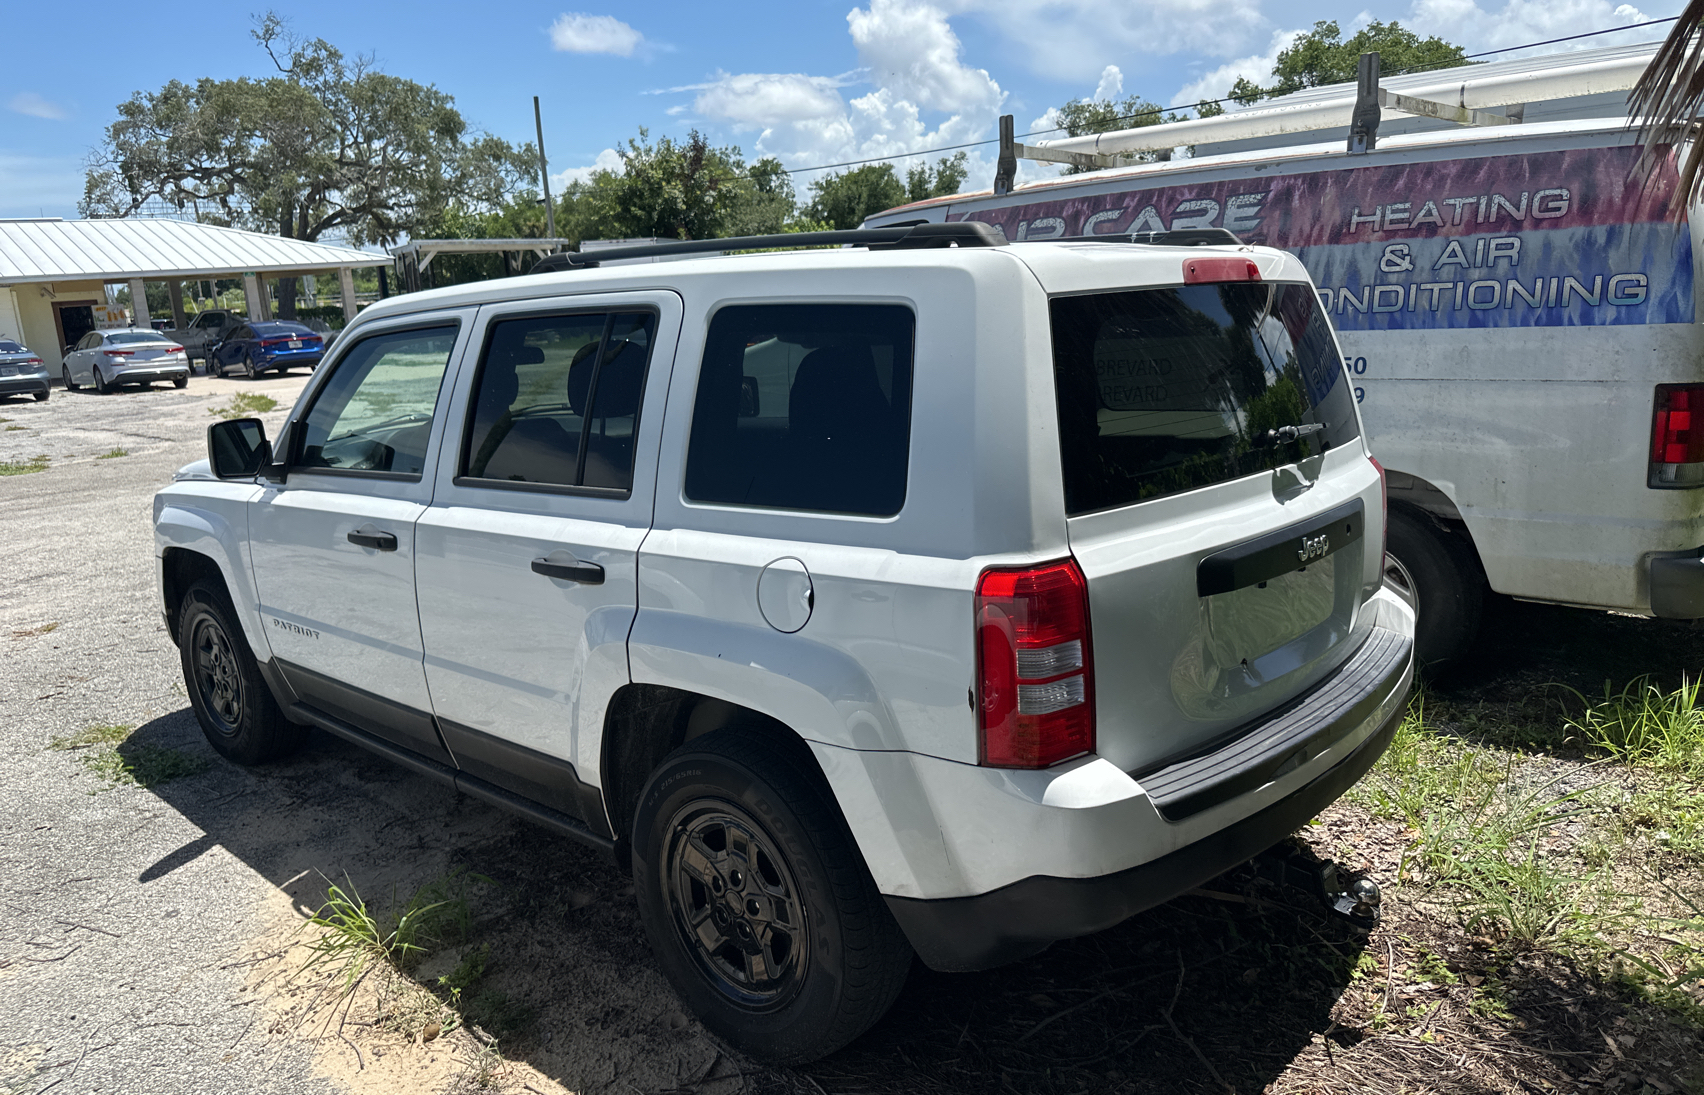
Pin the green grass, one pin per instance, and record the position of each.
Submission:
(354, 936)
(33, 464)
(245, 405)
(113, 455)
(1642, 724)
(118, 761)
(15, 429)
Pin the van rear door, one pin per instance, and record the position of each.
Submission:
(1219, 502)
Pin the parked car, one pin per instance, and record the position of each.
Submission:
(869, 600)
(255, 348)
(106, 359)
(205, 330)
(21, 372)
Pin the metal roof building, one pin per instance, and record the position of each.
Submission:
(53, 273)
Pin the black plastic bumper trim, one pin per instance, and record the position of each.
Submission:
(961, 934)
(1277, 553)
(1677, 586)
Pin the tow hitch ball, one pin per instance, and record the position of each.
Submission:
(1345, 893)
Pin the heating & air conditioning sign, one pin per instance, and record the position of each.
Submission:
(1541, 239)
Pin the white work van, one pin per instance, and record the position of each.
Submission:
(1518, 320)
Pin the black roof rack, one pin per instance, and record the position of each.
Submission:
(1176, 237)
(901, 237)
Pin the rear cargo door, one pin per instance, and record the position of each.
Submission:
(1219, 502)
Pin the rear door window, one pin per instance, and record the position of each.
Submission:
(804, 406)
(556, 403)
(1162, 391)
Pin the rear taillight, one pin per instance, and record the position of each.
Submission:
(1384, 514)
(174, 349)
(36, 361)
(119, 353)
(1677, 437)
(273, 341)
(1035, 677)
(1212, 270)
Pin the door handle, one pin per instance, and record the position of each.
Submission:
(585, 573)
(368, 536)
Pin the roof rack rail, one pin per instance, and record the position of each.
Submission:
(1177, 237)
(905, 237)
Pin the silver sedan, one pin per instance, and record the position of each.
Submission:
(106, 359)
(21, 372)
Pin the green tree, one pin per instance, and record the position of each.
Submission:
(763, 202)
(947, 177)
(668, 189)
(1081, 117)
(844, 199)
(326, 145)
(1322, 57)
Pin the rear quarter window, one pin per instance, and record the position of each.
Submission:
(1162, 391)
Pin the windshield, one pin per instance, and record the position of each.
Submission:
(1167, 390)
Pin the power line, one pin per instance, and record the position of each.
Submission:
(1205, 102)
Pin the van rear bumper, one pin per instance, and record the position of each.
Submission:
(1019, 919)
(1677, 586)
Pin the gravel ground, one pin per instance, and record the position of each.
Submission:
(123, 914)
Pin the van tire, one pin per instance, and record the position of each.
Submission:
(846, 958)
(1449, 589)
(231, 699)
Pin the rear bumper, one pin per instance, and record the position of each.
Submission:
(1020, 918)
(23, 385)
(1677, 586)
(147, 375)
(288, 361)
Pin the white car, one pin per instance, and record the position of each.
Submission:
(106, 359)
(890, 598)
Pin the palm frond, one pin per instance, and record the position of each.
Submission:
(1668, 99)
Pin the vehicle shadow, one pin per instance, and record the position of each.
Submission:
(1201, 988)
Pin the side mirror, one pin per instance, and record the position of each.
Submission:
(750, 404)
(237, 449)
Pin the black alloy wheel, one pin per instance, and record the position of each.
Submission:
(736, 904)
(759, 907)
(236, 709)
(218, 679)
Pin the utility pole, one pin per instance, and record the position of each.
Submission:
(544, 174)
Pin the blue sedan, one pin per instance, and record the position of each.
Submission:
(253, 348)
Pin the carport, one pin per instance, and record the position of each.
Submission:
(54, 273)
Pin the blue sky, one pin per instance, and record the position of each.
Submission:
(812, 81)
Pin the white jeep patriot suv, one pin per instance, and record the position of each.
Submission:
(921, 594)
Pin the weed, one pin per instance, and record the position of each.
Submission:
(33, 464)
(117, 760)
(245, 405)
(353, 938)
(92, 735)
(113, 455)
(470, 969)
(32, 632)
(16, 429)
(1642, 724)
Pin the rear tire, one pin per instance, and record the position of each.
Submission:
(41, 397)
(248, 367)
(737, 841)
(180, 381)
(100, 385)
(1448, 589)
(232, 703)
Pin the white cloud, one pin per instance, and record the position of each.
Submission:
(28, 102)
(608, 160)
(922, 95)
(1519, 21)
(1257, 69)
(1074, 39)
(1111, 84)
(578, 32)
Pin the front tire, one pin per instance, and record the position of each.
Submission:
(65, 375)
(232, 703)
(757, 903)
(1447, 587)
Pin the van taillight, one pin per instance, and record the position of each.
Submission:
(1677, 437)
(1384, 514)
(1035, 695)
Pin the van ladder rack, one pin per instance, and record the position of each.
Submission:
(900, 237)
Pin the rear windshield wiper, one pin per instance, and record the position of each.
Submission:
(1290, 433)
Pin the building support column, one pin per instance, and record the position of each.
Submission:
(175, 289)
(346, 282)
(251, 291)
(139, 304)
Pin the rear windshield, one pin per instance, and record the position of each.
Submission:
(9, 347)
(1167, 390)
(135, 336)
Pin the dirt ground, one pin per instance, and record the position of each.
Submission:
(181, 967)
